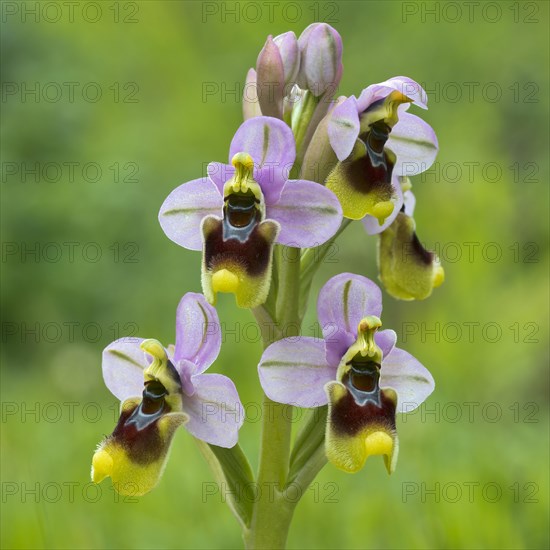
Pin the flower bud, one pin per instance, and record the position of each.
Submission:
(290, 55)
(270, 80)
(321, 59)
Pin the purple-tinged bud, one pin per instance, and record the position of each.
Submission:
(321, 59)
(290, 54)
(270, 79)
(251, 104)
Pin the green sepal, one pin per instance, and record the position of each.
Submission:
(231, 466)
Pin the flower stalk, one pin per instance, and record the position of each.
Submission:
(272, 513)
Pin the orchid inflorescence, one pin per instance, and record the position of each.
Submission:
(302, 166)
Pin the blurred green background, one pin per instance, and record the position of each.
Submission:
(473, 465)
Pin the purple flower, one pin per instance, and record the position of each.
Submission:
(174, 390)
(357, 370)
(238, 212)
(376, 140)
(407, 270)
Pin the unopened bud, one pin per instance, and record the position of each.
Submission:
(290, 55)
(321, 59)
(270, 80)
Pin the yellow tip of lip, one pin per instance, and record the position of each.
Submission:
(225, 281)
(382, 210)
(379, 443)
(102, 465)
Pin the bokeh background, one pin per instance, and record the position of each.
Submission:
(156, 96)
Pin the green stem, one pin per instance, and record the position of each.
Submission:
(289, 292)
(272, 511)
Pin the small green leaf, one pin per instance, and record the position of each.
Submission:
(231, 466)
(309, 441)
